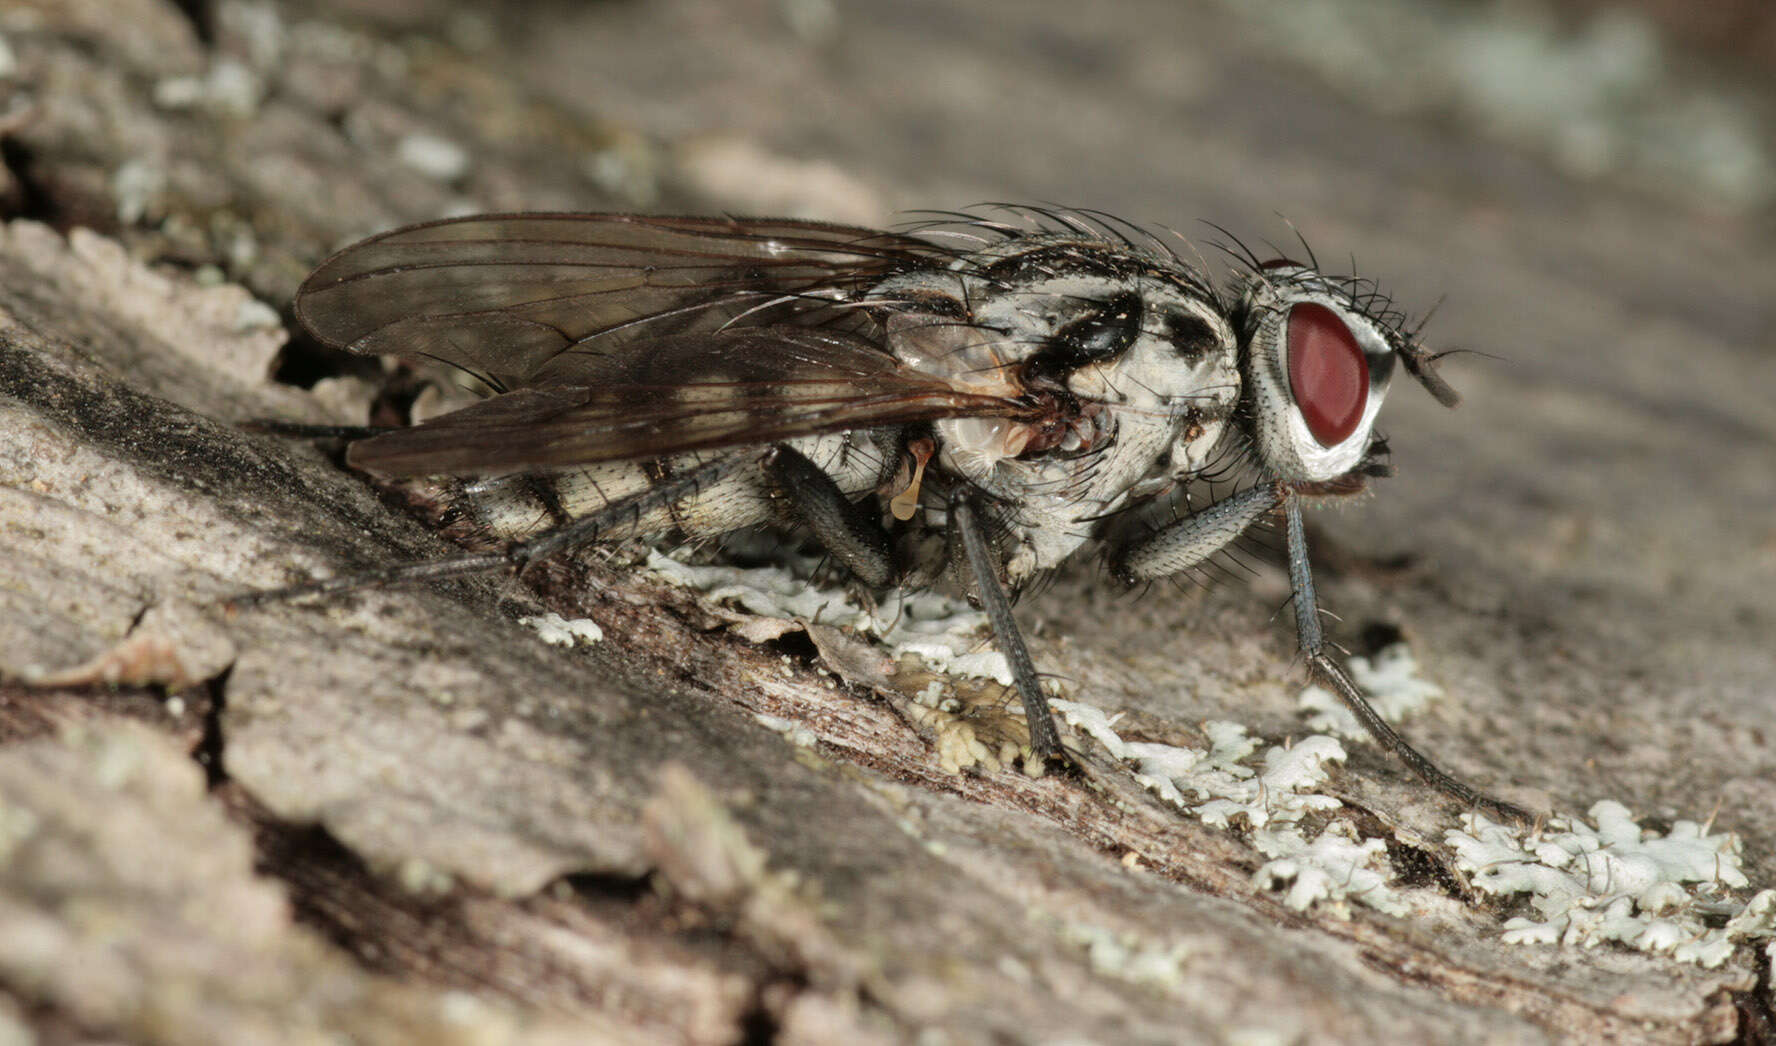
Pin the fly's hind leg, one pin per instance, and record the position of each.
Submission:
(851, 533)
(521, 555)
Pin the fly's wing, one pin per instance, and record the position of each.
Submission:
(502, 295)
(699, 391)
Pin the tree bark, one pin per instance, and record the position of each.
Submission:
(401, 816)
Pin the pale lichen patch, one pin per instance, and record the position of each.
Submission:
(1217, 784)
(1617, 882)
(1221, 785)
(945, 633)
(556, 630)
(1130, 956)
(1336, 867)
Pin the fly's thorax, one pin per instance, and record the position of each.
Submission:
(1200, 445)
(1317, 365)
(1130, 350)
(518, 506)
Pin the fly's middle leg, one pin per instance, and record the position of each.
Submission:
(965, 520)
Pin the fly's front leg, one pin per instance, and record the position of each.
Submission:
(853, 534)
(1190, 541)
(1045, 740)
(1331, 675)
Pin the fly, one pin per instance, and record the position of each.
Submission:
(1007, 388)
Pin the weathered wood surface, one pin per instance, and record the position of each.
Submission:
(401, 817)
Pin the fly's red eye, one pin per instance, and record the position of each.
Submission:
(1328, 373)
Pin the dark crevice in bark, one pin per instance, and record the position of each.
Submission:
(208, 752)
(1757, 1018)
(28, 198)
(202, 16)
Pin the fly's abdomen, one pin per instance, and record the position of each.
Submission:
(517, 506)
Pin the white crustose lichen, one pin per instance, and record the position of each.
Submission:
(1611, 883)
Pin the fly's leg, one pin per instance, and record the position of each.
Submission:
(1188, 542)
(849, 532)
(302, 430)
(859, 540)
(1045, 740)
(521, 555)
(1330, 674)
(667, 491)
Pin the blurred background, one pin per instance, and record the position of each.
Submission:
(852, 110)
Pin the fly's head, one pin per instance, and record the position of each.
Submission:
(1318, 353)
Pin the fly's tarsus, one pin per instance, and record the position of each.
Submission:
(403, 573)
(300, 430)
(1329, 674)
